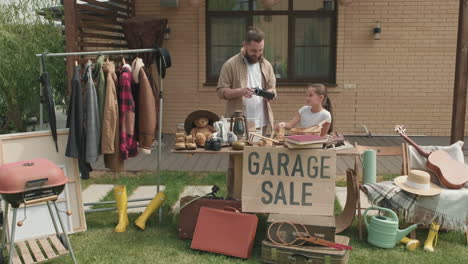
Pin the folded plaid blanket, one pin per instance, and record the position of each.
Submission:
(448, 209)
(387, 194)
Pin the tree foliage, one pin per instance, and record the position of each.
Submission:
(23, 33)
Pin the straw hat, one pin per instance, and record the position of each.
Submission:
(418, 182)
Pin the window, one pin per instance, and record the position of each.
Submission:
(300, 36)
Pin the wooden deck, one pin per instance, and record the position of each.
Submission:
(219, 162)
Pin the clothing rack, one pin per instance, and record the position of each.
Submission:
(108, 52)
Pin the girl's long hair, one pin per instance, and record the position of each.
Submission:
(321, 89)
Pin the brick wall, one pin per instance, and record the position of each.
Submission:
(406, 77)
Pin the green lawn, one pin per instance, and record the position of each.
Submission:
(159, 243)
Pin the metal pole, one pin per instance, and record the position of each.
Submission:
(113, 202)
(53, 219)
(69, 247)
(12, 237)
(113, 208)
(96, 52)
(158, 168)
(41, 106)
(4, 228)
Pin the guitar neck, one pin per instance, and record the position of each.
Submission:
(416, 146)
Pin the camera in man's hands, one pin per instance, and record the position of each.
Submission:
(260, 92)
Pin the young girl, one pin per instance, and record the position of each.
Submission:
(318, 110)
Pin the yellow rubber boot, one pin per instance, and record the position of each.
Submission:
(431, 240)
(120, 194)
(152, 206)
(411, 244)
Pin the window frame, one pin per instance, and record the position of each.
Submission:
(292, 80)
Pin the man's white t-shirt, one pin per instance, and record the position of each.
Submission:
(255, 110)
(309, 118)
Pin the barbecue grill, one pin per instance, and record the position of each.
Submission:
(24, 181)
(31, 182)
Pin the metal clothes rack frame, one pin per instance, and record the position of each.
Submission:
(118, 52)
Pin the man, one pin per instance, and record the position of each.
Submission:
(243, 72)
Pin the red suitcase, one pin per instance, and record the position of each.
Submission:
(225, 232)
(191, 208)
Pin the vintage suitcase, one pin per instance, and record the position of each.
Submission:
(272, 253)
(319, 226)
(225, 232)
(189, 214)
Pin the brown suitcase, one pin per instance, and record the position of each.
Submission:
(272, 253)
(189, 214)
(319, 226)
(225, 232)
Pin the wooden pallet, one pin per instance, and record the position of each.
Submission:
(38, 250)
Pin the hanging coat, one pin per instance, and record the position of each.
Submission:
(146, 109)
(110, 119)
(98, 76)
(128, 144)
(76, 147)
(114, 161)
(110, 124)
(93, 125)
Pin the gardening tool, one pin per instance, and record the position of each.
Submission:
(382, 231)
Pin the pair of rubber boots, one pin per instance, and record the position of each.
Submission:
(429, 244)
(120, 193)
(184, 142)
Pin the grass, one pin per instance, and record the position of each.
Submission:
(159, 243)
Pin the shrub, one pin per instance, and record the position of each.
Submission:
(23, 33)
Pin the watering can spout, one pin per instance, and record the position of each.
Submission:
(404, 232)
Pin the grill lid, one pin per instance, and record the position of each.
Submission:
(21, 176)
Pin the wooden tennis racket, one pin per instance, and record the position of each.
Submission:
(294, 234)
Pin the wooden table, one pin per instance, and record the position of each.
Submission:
(234, 174)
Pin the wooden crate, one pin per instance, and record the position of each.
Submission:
(38, 250)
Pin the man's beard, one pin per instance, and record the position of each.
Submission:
(252, 60)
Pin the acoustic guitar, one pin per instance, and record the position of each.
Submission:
(450, 172)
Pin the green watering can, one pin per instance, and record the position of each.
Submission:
(382, 231)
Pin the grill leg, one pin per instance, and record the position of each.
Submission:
(64, 232)
(4, 230)
(4, 227)
(12, 237)
(53, 219)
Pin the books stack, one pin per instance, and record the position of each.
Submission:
(305, 141)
